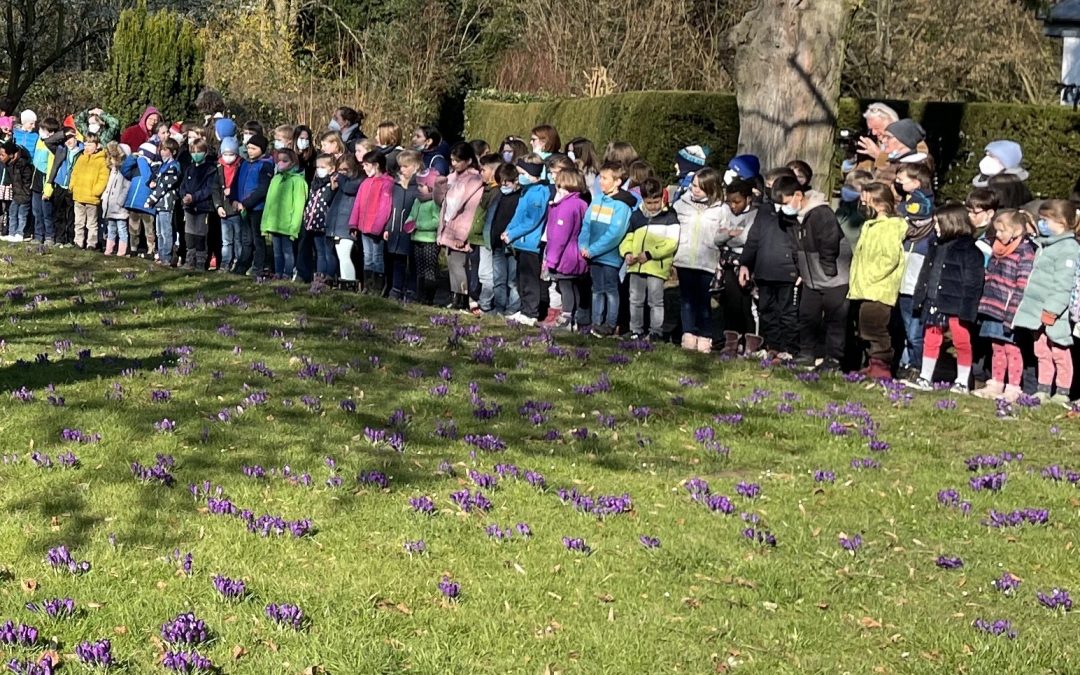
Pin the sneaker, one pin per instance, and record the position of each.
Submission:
(601, 332)
(655, 337)
(1060, 399)
(637, 336)
(920, 384)
(959, 388)
(526, 320)
(784, 357)
(827, 366)
(760, 354)
(805, 361)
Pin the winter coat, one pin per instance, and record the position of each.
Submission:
(527, 225)
(699, 223)
(1050, 286)
(223, 186)
(199, 181)
(655, 236)
(878, 265)
(140, 172)
(476, 231)
(499, 214)
(89, 177)
(285, 200)
(915, 252)
(44, 160)
(425, 214)
(821, 249)
(851, 220)
(951, 280)
(769, 252)
(734, 229)
(398, 242)
(437, 158)
(166, 191)
(63, 164)
(390, 152)
(373, 204)
(605, 227)
(1004, 283)
(463, 195)
(27, 140)
(320, 197)
(21, 174)
(116, 191)
(252, 182)
(337, 219)
(564, 226)
(109, 127)
(136, 134)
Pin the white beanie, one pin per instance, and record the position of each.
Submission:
(28, 117)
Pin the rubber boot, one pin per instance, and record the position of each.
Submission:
(110, 246)
(992, 390)
(122, 249)
(752, 343)
(879, 370)
(689, 341)
(189, 261)
(731, 344)
(704, 345)
(200, 261)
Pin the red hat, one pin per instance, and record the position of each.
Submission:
(69, 122)
(176, 128)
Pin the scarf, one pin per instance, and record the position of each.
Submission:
(1004, 250)
(917, 230)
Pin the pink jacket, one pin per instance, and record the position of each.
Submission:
(463, 194)
(373, 205)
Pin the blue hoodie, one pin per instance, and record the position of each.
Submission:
(252, 182)
(525, 230)
(605, 227)
(437, 158)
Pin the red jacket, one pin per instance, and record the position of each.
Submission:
(373, 205)
(137, 134)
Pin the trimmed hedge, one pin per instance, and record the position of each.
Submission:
(658, 123)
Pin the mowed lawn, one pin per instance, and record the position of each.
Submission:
(347, 411)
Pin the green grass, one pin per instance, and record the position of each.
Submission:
(705, 596)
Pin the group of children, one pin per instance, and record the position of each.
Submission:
(540, 231)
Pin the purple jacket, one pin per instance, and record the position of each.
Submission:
(563, 227)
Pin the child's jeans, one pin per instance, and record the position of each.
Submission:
(283, 255)
(397, 271)
(325, 258)
(165, 237)
(118, 230)
(44, 225)
(695, 302)
(86, 225)
(605, 295)
(913, 331)
(373, 253)
(504, 289)
(645, 288)
(230, 241)
(17, 216)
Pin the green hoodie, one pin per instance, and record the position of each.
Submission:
(285, 200)
(425, 213)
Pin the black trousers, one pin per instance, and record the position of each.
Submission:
(779, 316)
(736, 304)
(529, 285)
(823, 322)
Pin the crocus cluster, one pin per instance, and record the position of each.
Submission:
(1057, 474)
(60, 558)
(949, 563)
(190, 662)
(45, 666)
(700, 492)
(507, 470)
(160, 395)
(748, 490)
(185, 629)
(852, 544)
(79, 436)
(999, 627)
(824, 476)
(951, 499)
(230, 589)
(184, 561)
(423, 504)
(449, 588)
(1017, 518)
(483, 480)
(600, 505)
(468, 502)
(56, 608)
(165, 425)
(601, 386)
(1057, 598)
(375, 478)
(762, 537)
(865, 463)
(991, 481)
(485, 442)
(95, 654)
(649, 542)
(978, 462)
(159, 472)
(535, 479)
(1007, 583)
(289, 616)
(576, 544)
(415, 547)
(268, 524)
(18, 634)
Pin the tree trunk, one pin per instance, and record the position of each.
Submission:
(785, 57)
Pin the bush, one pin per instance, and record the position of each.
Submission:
(659, 123)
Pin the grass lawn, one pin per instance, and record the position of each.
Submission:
(348, 411)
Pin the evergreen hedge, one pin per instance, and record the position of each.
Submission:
(156, 59)
(658, 123)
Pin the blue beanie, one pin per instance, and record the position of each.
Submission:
(691, 159)
(747, 166)
(230, 144)
(1006, 152)
(225, 127)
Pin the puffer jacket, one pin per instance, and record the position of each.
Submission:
(374, 202)
(198, 181)
(952, 280)
(605, 227)
(425, 214)
(223, 186)
(21, 174)
(252, 182)
(320, 197)
(1005, 280)
(463, 195)
(735, 229)
(822, 251)
(337, 218)
(565, 219)
(166, 193)
(139, 171)
(769, 252)
(655, 236)
(89, 177)
(699, 223)
(1050, 286)
(878, 265)
(112, 200)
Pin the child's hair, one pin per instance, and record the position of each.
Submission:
(1012, 192)
(547, 135)
(490, 160)
(880, 196)
(325, 158)
(377, 158)
(1060, 210)
(571, 180)
(1016, 221)
(618, 169)
(982, 199)
(801, 168)
(464, 152)
(287, 153)
(858, 179)
(772, 175)
(199, 145)
(351, 167)
(638, 171)
(363, 147)
(388, 134)
(254, 127)
(584, 154)
(558, 163)
(336, 138)
(351, 116)
(162, 126)
(431, 133)
(651, 188)
(506, 173)
(952, 222)
(50, 124)
(737, 187)
(480, 147)
(92, 138)
(621, 152)
(517, 146)
(410, 158)
(171, 145)
(917, 171)
(711, 183)
(114, 154)
(786, 186)
(285, 131)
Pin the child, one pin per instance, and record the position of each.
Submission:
(370, 213)
(736, 302)
(320, 197)
(688, 161)
(604, 229)
(89, 177)
(1005, 281)
(982, 204)
(285, 200)
(636, 173)
(700, 211)
(849, 212)
(1047, 295)
(5, 180)
(465, 189)
(67, 153)
(166, 185)
(112, 202)
(489, 164)
(523, 236)
(199, 182)
(947, 295)
(225, 205)
(345, 183)
(21, 174)
(803, 173)
(250, 187)
(915, 183)
(433, 149)
(562, 259)
(648, 250)
(499, 293)
(388, 143)
(397, 236)
(139, 169)
(425, 227)
(283, 137)
(49, 141)
(824, 260)
(877, 269)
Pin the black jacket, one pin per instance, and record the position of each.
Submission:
(198, 181)
(399, 242)
(21, 173)
(769, 252)
(951, 280)
(337, 218)
(822, 251)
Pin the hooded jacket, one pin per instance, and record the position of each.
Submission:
(373, 205)
(320, 197)
(44, 160)
(285, 200)
(878, 264)
(425, 214)
(437, 158)
(140, 172)
(89, 177)
(527, 225)
(605, 227)
(398, 242)
(199, 181)
(1050, 286)
(21, 174)
(699, 224)
(463, 195)
(112, 199)
(657, 237)
(822, 251)
(769, 252)
(564, 226)
(136, 134)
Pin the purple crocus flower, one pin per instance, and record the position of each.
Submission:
(375, 478)
(992, 482)
(1007, 583)
(416, 547)
(485, 442)
(56, 608)
(190, 662)
(230, 589)
(423, 504)
(649, 542)
(762, 537)
(999, 627)
(824, 476)
(748, 490)
(185, 629)
(44, 666)
(289, 616)
(852, 544)
(1055, 599)
(60, 558)
(523, 529)
(576, 544)
(18, 635)
(947, 563)
(95, 654)
(449, 588)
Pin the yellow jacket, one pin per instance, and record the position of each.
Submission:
(89, 177)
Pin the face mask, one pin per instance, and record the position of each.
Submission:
(334, 125)
(198, 157)
(990, 166)
(246, 138)
(282, 167)
(570, 154)
(93, 128)
(895, 154)
(729, 176)
(543, 155)
(525, 179)
(321, 172)
(506, 189)
(848, 194)
(279, 145)
(303, 143)
(179, 138)
(228, 159)
(1044, 228)
(789, 210)
(899, 187)
(508, 156)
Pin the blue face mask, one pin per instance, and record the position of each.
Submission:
(894, 155)
(1044, 228)
(848, 194)
(508, 156)
(506, 189)
(525, 180)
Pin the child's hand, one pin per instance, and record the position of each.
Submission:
(187, 199)
(386, 236)
(1048, 318)
(629, 258)
(585, 253)
(333, 181)
(228, 191)
(153, 184)
(506, 239)
(744, 275)
(221, 212)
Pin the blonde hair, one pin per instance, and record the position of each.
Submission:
(1016, 221)
(285, 131)
(114, 154)
(571, 180)
(1061, 210)
(388, 134)
(336, 138)
(365, 144)
(409, 157)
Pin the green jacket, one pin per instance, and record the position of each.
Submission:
(476, 234)
(285, 200)
(1050, 287)
(877, 267)
(426, 216)
(657, 237)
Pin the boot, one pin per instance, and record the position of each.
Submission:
(752, 344)
(190, 261)
(365, 287)
(110, 246)
(689, 341)
(122, 249)
(879, 370)
(731, 344)
(1011, 393)
(704, 345)
(993, 390)
(200, 261)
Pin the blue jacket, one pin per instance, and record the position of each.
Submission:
(138, 170)
(604, 228)
(253, 181)
(525, 230)
(27, 140)
(437, 158)
(62, 171)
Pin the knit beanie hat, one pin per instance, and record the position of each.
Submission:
(230, 144)
(908, 132)
(259, 141)
(7, 122)
(28, 117)
(691, 159)
(148, 150)
(1008, 153)
(742, 167)
(224, 128)
(534, 170)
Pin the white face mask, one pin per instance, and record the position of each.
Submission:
(570, 154)
(303, 143)
(322, 172)
(334, 125)
(279, 145)
(789, 210)
(729, 176)
(246, 138)
(179, 138)
(228, 159)
(93, 128)
(990, 166)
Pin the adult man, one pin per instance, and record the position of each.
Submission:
(871, 154)
(901, 144)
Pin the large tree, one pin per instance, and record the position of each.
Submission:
(785, 57)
